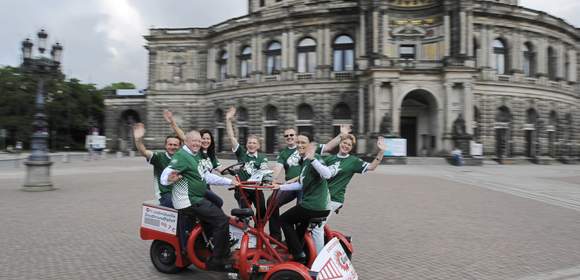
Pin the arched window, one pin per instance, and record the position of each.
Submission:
(220, 131)
(552, 63)
(305, 112)
(273, 58)
(341, 112)
(531, 116)
(242, 125)
(270, 127)
(529, 60)
(503, 114)
(475, 51)
(246, 62)
(223, 65)
(304, 122)
(500, 56)
(567, 67)
(343, 53)
(271, 113)
(306, 55)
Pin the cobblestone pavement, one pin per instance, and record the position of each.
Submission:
(407, 222)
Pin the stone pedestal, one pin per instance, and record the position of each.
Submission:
(462, 142)
(37, 176)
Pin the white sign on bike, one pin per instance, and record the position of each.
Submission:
(159, 219)
(238, 233)
(333, 263)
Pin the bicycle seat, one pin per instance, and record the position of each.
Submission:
(317, 221)
(242, 212)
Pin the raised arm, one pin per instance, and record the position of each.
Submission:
(344, 129)
(377, 160)
(322, 169)
(169, 118)
(138, 134)
(231, 113)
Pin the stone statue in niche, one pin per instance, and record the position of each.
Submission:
(386, 124)
(459, 126)
(177, 74)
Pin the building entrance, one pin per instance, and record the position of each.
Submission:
(419, 123)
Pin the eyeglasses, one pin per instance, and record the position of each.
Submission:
(288, 135)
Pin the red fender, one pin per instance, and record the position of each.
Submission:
(197, 231)
(293, 266)
(311, 247)
(151, 234)
(341, 237)
(244, 265)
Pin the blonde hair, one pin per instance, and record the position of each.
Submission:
(348, 137)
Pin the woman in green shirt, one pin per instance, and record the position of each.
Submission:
(315, 201)
(342, 167)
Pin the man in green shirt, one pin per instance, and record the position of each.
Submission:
(289, 159)
(315, 203)
(190, 181)
(159, 160)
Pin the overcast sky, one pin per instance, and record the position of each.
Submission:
(103, 39)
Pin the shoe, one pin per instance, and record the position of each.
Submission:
(219, 264)
(300, 258)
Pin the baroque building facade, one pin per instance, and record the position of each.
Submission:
(498, 73)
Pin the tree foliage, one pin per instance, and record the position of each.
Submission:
(72, 108)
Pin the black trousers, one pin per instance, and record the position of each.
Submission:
(282, 198)
(252, 196)
(294, 224)
(208, 213)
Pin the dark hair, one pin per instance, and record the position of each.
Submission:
(307, 135)
(172, 136)
(211, 149)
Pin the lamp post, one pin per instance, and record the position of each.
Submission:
(41, 67)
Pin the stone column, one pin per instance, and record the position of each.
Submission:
(542, 57)
(386, 36)
(515, 53)
(484, 47)
(447, 31)
(573, 72)
(375, 31)
(255, 55)
(211, 58)
(319, 47)
(463, 33)
(396, 108)
(468, 107)
(285, 49)
(259, 55)
(361, 42)
(291, 50)
(470, 36)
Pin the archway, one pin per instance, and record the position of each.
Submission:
(502, 128)
(419, 123)
(125, 129)
(531, 133)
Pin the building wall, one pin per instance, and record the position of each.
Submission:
(453, 66)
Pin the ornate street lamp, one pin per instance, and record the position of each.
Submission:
(41, 68)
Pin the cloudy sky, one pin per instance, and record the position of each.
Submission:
(103, 39)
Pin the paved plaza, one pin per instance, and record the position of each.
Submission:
(407, 222)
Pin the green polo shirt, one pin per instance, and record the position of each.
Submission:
(315, 188)
(290, 159)
(342, 169)
(191, 188)
(159, 160)
(252, 163)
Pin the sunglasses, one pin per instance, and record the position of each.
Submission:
(288, 135)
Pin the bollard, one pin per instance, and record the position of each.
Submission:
(65, 158)
(119, 154)
(131, 153)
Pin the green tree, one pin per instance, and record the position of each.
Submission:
(72, 108)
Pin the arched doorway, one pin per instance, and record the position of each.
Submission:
(125, 129)
(419, 122)
(530, 133)
(502, 128)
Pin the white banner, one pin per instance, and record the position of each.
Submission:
(333, 263)
(396, 147)
(159, 220)
(476, 149)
